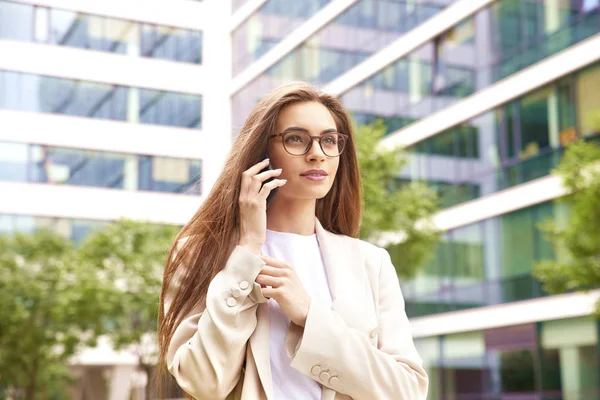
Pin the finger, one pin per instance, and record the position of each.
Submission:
(272, 271)
(263, 176)
(266, 280)
(268, 292)
(267, 187)
(258, 180)
(250, 172)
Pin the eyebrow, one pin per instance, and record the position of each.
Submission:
(297, 128)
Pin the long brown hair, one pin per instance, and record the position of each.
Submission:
(213, 232)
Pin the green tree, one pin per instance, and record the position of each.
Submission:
(51, 304)
(133, 256)
(576, 241)
(390, 204)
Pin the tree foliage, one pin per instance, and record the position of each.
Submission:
(133, 256)
(56, 298)
(576, 241)
(392, 205)
(50, 304)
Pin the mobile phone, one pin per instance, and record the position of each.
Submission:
(274, 191)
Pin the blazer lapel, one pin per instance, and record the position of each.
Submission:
(348, 280)
(349, 284)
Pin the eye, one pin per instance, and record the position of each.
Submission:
(293, 138)
(330, 140)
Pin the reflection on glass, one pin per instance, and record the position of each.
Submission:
(16, 21)
(360, 31)
(495, 43)
(526, 31)
(68, 28)
(171, 43)
(74, 229)
(173, 109)
(95, 100)
(588, 101)
(47, 164)
(267, 26)
(550, 360)
(484, 263)
(516, 143)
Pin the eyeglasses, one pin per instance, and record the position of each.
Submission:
(298, 143)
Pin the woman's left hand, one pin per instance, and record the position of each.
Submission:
(286, 288)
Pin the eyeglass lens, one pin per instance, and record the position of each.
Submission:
(297, 143)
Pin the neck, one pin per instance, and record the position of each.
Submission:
(292, 215)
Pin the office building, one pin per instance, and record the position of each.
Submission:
(484, 95)
(105, 111)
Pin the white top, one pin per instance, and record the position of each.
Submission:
(304, 254)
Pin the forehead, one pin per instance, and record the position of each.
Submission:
(313, 116)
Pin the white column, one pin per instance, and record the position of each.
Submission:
(120, 382)
(570, 372)
(216, 102)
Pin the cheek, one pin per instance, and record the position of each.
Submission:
(335, 167)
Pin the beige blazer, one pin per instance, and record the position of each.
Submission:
(360, 349)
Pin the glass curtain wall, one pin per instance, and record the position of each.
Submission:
(550, 360)
(63, 166)
(515, 143)
(45, 94)
(73, 29)
(361, 30)
(485, 263)
(496, 42)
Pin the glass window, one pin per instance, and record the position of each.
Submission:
(47, 164)
(73, 29)
(363, 29)
(567, 128)
(455, 59)
(465, 372)
(549, 360)
(172, 109)
(534, 110)
(460, 161)
(515, 143)
(488, 262)
(75, 229)
(16, 21)
(171, 43)
(267, 27)
(68, 28)
(96, 100)
(496, 42)
(588, 101)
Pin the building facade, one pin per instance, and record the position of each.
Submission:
(484, 95)
(105, 109)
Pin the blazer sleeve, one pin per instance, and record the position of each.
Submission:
(207, 350)
(392, 370)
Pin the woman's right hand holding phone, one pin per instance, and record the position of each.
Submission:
(253, 204)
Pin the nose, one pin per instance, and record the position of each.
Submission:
(315, 153)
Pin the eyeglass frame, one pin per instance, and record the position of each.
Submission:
(319, 137)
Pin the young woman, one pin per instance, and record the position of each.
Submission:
(283, 302)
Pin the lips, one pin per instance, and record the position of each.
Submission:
(314, 172)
